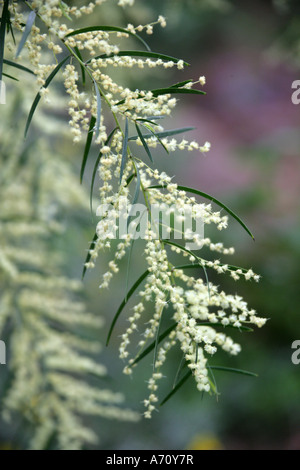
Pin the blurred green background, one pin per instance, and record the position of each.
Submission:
(249, 52)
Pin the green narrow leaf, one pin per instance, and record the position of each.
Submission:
(18, 66)
(182, 365)
(10, 28)
(144, 142)
(128, 267)
(147, 121)
(230, 267)
(150, 348)
(199, 261)
(111, 135)
(4, 21)
(213, 383)
(212, 199)
(148, 54)
(10, 76)
(87, 147)
(174, 90)
(136, 193)
(154, 118)
(170, 91)
(131, 177)
(154, 134)
(93, 179)
(177, 387)
(38, 96)
(108, 29)
(27, 31)
(120, 309)
(234, 371)
(135, 199)
(181, 84)
(92, 246)
(197, 353)
(240, 328)
(99, 105)
(83, 74)
(163, 134)
(157, 341)
(64, 8)
(124, 151)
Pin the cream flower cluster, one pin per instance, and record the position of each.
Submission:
(200, 311)
(197, 308)
(121, 100)
(51, 350)
(193, 305)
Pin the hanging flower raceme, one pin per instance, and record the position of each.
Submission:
(194, 313)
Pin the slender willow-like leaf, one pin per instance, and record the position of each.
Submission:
(154, 118)
(234, 371)
(168, 242)
(220, 368)
(136, 194)
(163, 134)
(147, 121)
(177, 387)
(174, 90)
(28, 28)
(92, 246)
(120, 309)
(18, 66)
(108, 29)
(9, 28)
(4, 21)
(181, 366)
(111, 136)
(147, 126)
(212, 383)
(128, 267)
(229, 267)
(144, 142)
(130, 178)
(64, 8)
(151, 55)
(150, 348)
(124, 151)
(10, 76)
(138, 186)
(38, 96)
(93, 179)
(207, 196)
(213, 325)
(99, 106)
(135, 199)
(212, 199)
(87, 146)
(156, 342)
(83, 74)
(181, 84)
